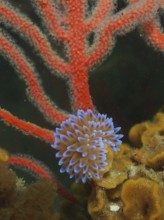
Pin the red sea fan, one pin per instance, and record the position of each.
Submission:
(88, 30)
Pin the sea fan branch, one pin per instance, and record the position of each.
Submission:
(49, 15)
(27, 29)
(26, 127)
(26, 70)
(119, 23)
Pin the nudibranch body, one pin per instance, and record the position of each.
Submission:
(82, 144)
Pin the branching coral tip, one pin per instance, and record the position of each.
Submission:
(82, 143)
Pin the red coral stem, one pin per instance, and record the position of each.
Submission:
(50, 18)
(27, 127)
(36, 92)
(35, 37)
(154, 34)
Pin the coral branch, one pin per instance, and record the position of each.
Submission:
(123, 21)
(21, 24)
(80, 91)
(153, 29)
(100, 49)
(76, 49)
(17, 58)
(27, 127)
(101, 12)
(136, 13)
(47, 11)
(154, 34)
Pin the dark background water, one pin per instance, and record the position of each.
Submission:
(128, 86)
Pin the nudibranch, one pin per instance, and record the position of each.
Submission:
(82, 143)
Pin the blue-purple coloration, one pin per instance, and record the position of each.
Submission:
(82, 143)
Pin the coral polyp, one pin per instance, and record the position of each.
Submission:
(83, 143)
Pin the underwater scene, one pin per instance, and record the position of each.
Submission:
(81, 110)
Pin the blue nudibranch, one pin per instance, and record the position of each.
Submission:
(81, 144)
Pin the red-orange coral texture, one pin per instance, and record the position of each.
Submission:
(73, 23)
(87, 31)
